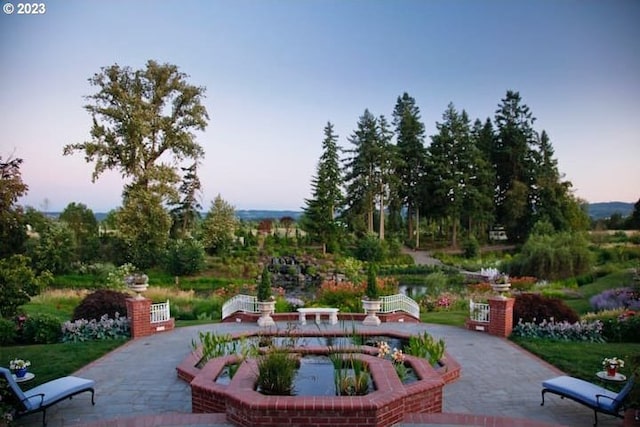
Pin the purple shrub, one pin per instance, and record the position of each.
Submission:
(616, 298)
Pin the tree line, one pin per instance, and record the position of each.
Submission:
(467, 178)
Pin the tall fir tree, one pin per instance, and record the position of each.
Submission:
(412, 155)
(320, 212)
(186, 212)
(359, 169)
(452, 159)
(479, 211)
(514, 161)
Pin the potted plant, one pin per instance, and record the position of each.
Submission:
(371, 302)
(266, 302)
(19, 367)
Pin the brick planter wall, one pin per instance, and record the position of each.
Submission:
(385, 406)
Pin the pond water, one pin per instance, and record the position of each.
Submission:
(315, 377)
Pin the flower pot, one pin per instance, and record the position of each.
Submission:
(612, 370)
(21, 372)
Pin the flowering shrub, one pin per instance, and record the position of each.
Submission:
(442, 302)
(105, 328)
(624, 328)
(561, 331)
(522, 283)
(343, 295)
(616, 298)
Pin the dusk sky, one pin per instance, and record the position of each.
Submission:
(276, 71)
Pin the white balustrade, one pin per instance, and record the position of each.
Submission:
(244, 303)
(400, 302)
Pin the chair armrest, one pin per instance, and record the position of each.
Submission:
(40, 395)
(598, 396)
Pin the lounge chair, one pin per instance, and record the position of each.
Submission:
(45, 395)
(595, 397)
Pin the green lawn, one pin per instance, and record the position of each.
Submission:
(50, 361)
(580, 359)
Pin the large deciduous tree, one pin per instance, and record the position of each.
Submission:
(219, 226)
(143, 127)
(319, 218)
(12, 227)
(84, 226)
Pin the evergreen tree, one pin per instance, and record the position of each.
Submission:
(478, 211)
(452, 160)
(320, 212)
(385, 157)
(412, 156)
(186, 214)
(359, 170)
(514, 161)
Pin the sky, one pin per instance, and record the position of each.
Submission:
(276, 71)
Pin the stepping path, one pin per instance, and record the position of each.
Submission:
(500, 384)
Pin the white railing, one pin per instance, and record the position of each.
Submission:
(160, 312)
(400, 302)
(245, 303)
(479, 312)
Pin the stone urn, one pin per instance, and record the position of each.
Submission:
(371, 308)
(138, 283)
(266, 309)
(501, 285)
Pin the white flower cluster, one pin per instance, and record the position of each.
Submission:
(613, 361)
(19, 364)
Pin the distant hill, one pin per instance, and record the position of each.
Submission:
(246, 215)
(606, 209)
(596, 211)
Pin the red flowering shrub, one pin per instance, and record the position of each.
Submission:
(522, 283)
(343, 295)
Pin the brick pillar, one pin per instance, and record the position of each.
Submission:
(501, 316)
(139, 313)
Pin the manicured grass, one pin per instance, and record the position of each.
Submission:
(580, 359)
(450, 317)
(50, 361)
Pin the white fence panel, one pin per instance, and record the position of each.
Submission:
(479, 312)
(160, 312)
